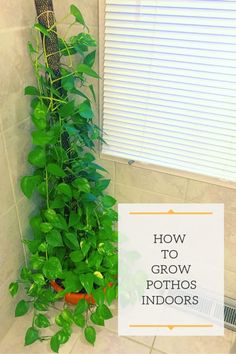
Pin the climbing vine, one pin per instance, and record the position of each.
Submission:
(72, 232)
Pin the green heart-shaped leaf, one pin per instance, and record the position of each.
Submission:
(85, 69)
(77, 14)
(42, 321)
(52, 268)
(87, 282)
(55, 170)
(21, 308)
(28, 184)
(54, 238)
(13, 289)
(37, 157)
(90, 334)
(31, 336)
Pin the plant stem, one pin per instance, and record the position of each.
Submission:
(46, 181)
(55, 308)
(42, 338)
(52, 98)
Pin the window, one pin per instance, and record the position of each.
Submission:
(169, 90)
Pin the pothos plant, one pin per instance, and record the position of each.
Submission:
(72, 234)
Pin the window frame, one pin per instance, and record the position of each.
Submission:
(153, 167)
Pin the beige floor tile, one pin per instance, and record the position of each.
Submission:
(112, 325)
(109, 343)
(146, 340)
(155, 351)
(233, 348)
(195, 345)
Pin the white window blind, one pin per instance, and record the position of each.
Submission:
(170, 84)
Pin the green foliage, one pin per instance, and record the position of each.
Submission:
(41, 321)
(31, 90)
(99, 296)
(90, 334)
(21, 308)
(81, 307)
(55, 344)
(52, 268)
(54, 238)
(85, 69)
(72, 233)
(110, 294)
(97, 319)
(55, 170)
(31, 336)
(78, 16)
(28, 184)
(87, 282)
(39, 115)
(42, 29)
(104, 312)
(90, 58)
(13, 288)
(37, 157)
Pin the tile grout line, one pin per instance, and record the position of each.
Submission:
(14, 29)
(173, 173)
(158, 351)
(73, 346)
(128, 338)
(14, 195)
(152, 345)
(13, 206)
(5, 130)
(135, 341)
(180, 200)
(186, 190)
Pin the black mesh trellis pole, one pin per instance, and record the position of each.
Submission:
(46, 17)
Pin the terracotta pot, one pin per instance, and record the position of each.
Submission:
(73, 298)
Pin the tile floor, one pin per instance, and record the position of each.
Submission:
(108, 342)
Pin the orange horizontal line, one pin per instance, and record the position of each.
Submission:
(170, 326)
(170, 213)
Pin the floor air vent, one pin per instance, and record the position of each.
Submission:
(230, 313)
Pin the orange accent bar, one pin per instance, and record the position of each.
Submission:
(170, 212)
(170, 326)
